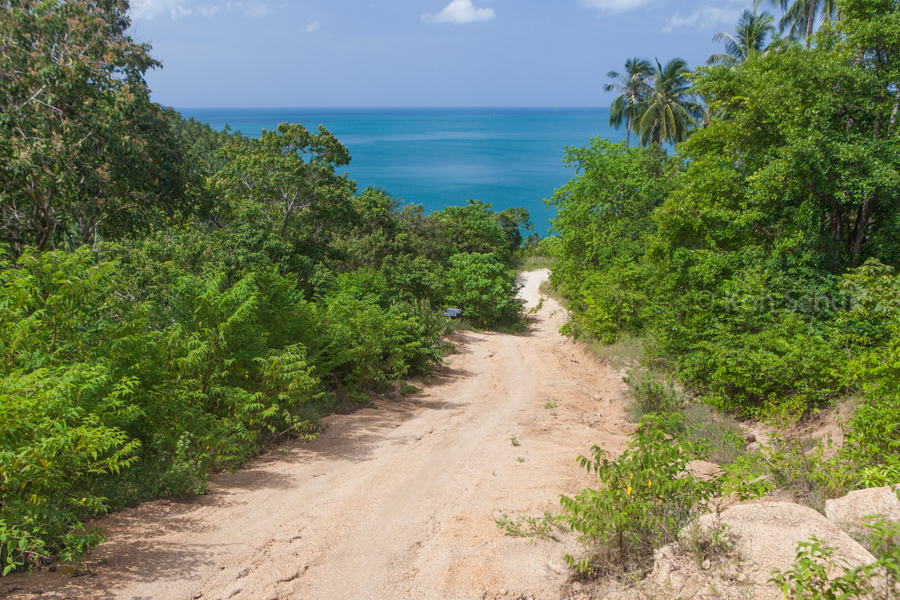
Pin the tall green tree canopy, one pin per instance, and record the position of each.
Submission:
(282, 194)
(800, 16)
(82, 149)
(603, 216)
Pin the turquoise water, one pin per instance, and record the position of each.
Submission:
(442, 157)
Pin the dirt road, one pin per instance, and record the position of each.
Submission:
(394, 502)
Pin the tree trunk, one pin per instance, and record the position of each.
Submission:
(862, 226)
(894, 114)
(810, 21)
(837, 230)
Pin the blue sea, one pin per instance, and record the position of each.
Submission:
(441, 157)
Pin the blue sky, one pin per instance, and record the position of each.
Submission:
(414, 53)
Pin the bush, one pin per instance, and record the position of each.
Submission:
(484, 289)
(370, 346)
(647, 495)
(61, 405)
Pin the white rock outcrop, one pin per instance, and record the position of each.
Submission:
(850, 511)
(767, 534)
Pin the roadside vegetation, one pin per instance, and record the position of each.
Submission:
(751, 274)
(173, 298)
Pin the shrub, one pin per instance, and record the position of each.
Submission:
(484, 289)
(646, 495)
(872, 441)
(370, 346)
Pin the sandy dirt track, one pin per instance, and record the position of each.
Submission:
(395, 502)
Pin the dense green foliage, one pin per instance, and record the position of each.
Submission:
(172, 297)
(731, 256)
(758, 266)
(604, 217)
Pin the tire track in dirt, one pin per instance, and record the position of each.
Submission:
(394, 502)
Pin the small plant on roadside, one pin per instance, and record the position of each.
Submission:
(520, 459)
(529, 526)
(551, 403)
(646, 495)
(407, 389)
(651, 395)
(716, 543)
(537, 308)
(513, 440)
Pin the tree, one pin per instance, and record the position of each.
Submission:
(286, 184)
(669, 111)
(82, 148)
(472, 228)
(633, 88)
(514, 221)
(750, 37)
(800, 16)
(603, 217)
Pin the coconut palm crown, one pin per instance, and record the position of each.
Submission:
(800, 15)
(669, 111)
(749, 38)
(633, 88)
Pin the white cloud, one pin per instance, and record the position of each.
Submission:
(705, 17)
(150, 9)
(612, 7)
(460, 11)
(180, 11)
(312, 27)
(258, 10)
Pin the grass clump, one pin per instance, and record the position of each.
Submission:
(652, 395)
(715, 544)
(626, 352)
(700, 423)
(408, 388)
(531, 263)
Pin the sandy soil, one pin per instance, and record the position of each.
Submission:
(394, 502)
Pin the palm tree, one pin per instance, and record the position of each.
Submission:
(750, 38)
(800, 16)
(633, 88)
(669, 111)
